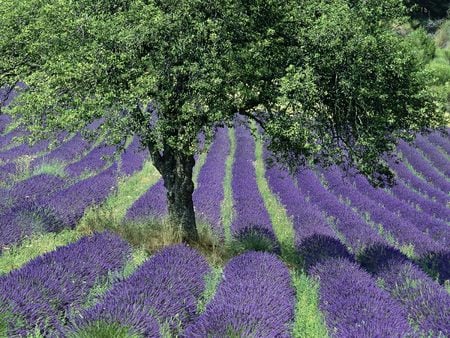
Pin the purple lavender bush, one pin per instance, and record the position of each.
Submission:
(163, 290)
(418, 183)
(427, 303)
(421, 165)
(67, 206)
(354, 306)
(132, 160)
(45, 291)
(93, 161)
(439, 140)
(357, 232)
(251, 217)
(209, 193)
(152, 204)
(254, 299)
(314, 239)
(438, 159)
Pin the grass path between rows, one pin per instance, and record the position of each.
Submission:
(308, 320)
(227, 203)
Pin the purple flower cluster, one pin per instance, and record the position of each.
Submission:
(432, 208)
(357, 232)
(22, 150)
(47, 289)
(7, 171)
(93, 161)
(4, 121)
(427, 302)
(67, 152)
(166, 288)
(418, 183)
(438, 230)
(434, 155)
(437, 139)
(354, 306)
(67, 206)
(254, 299)
(21, 215)
(152, 204)
(315, 240)
(6, 140)
(251, 216)
(403, 231)
(209, 193)
(132, 160)
(422, 166)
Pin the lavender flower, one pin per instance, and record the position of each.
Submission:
(67, 206)
(93, 161)
(254, 299)
(353, 304)
(437, 139)
(133, 158)
(434, 155)
(4, 121)
(421, 165)
(427, 303)
(251, 216)
(152, 204)
(209, 193)
(44, 291)
(165, 288)
(357, 232)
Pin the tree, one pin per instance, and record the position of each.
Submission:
(328, 81)
(430, 9)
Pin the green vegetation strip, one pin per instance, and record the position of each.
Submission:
(281, 222)
(309, 321)
(227, 203)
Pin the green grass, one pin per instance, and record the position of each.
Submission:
(55, 168)
(113, 210)
(227, 211)
(212, 280)
(16, 256)
(198, 165)
(101, 329)
(308, 320)
(282, 224)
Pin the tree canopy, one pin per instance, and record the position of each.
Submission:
(328, 81)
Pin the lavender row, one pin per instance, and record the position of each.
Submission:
(251, 216)
(23, 150)
(4, 121)
(403, 231)
(67, 152)
(47, 289)
(209, 193)
(67, 206)
(254, 299)
(418, 183)
(314, 239)
(7, 139)
(132, 160)
(19, 216)
(437, 229)
(357, 232)
(434, 155)
(354, 306)
(422, 166)
(93, 161)
(437, 139)
(165, 289)
(430, 207)
(427, 303)
(152, 204)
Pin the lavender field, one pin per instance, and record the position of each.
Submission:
(322, 253)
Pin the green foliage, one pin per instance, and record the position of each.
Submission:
(212, 280)
(16, 256)
(101, 329)
(332, 71)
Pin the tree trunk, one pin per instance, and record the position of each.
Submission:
(176, 171)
